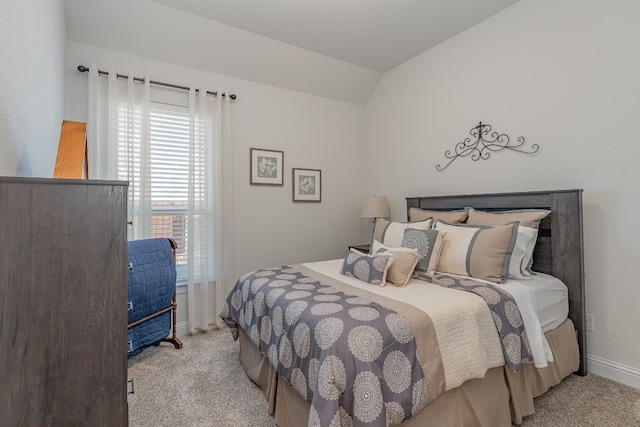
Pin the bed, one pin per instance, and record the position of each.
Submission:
(398, 378)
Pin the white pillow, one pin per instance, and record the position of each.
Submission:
(527, 261)
(522, 251)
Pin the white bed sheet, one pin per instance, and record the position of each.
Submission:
(552, 299)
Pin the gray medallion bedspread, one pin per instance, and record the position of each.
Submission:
(351, 358)
(358, 358)
(504, 310)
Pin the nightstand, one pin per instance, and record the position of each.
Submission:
(362, 248)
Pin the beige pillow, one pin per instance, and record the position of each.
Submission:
(526, 217)
(391, 233)
(453, 217)
(476, 250)
(403, 265)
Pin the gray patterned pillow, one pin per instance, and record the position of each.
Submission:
(428, 243)
(369, 268)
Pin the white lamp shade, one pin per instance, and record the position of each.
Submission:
(375, 207)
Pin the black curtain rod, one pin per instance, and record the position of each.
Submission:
(84, 69)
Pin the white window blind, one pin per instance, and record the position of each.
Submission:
(169, 173)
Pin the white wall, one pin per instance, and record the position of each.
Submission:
(32, 34)
(314, 132)
(563, 74)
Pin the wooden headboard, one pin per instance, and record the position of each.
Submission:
(559, 248)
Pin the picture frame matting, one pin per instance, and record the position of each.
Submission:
(266, 166)
(306, 185)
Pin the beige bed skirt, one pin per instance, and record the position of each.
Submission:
(499, 399)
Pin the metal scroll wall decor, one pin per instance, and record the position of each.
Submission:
(484, 143)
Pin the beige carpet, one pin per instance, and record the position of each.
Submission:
(204, 385)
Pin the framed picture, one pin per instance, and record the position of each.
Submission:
(307, 185)
(266, 166)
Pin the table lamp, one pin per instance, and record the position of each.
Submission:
(375, 207)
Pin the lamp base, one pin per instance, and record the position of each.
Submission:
(373, 230)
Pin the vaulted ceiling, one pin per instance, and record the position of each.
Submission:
(333, 48)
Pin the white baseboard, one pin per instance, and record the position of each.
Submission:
(182, 328)
(614, 371)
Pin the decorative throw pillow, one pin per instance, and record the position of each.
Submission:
(527, 217)
(429, 245)
(391, 233)
(477, 251)
(369, 268)
(404, 262)
(453, 217)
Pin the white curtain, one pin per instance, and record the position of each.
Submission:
(118, 141)
(225, 248)
(118, 132)
(210, 218)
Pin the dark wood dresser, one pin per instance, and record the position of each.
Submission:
(63, 296)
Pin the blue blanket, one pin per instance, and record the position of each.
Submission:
(151, 285)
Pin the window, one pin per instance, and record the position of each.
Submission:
(169, 172)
